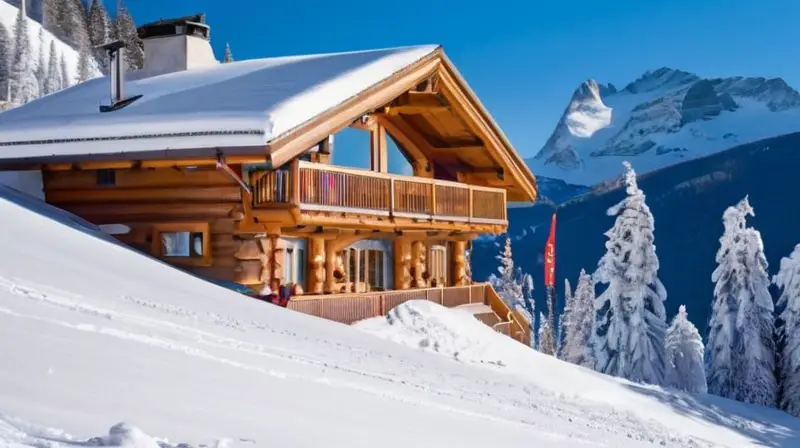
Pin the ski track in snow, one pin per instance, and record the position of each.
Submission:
(221, 349)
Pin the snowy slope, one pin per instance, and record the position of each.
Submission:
(8, 15)
(93, 334)
(665, 117)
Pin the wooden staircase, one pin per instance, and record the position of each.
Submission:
(479, 298)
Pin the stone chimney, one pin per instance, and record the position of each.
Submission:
(176, 44)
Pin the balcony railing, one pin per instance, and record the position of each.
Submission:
(320, 187)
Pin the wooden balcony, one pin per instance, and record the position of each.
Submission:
(314, 187)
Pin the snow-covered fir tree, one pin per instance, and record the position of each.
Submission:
(41, 64)
(547, 341)
(545, 344)
(55, 12)
(529, 304)
(5, 62)
(99, 33)
(788, 331)
(511, 285)
(560, 333)
(630, 333)
(468, 263)
(84, 72)
(24, 86)
(125, 28)
(228, 54)
(64, 72)
(740, 353)
(684, 347)
(508, 286)
(577, 321)
(52, 81)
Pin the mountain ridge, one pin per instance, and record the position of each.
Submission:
(663, 117)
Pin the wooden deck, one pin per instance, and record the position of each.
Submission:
(349, 308)
(322, 188)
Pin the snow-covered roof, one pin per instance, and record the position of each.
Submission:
(243, 104)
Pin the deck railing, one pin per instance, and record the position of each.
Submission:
(320, 187)
(349, 308)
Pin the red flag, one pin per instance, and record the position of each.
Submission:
(550, 256)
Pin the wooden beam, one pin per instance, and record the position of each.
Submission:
(303, 137)
(166, 163)
(213, 195)
(414, 110)
(378, 151)
(316, 265)
(402, 263)
(481, 123)
(414, 143)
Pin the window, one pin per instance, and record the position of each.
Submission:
(375, 268)
(294, 262)
(437, 265)
(182, 243)
(106, 178)
(352, 257)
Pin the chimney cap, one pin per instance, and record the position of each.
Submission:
(193, 25)
(111, 46)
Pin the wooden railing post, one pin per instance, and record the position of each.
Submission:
(471, 205)
(294, 182)
(433, 198)
(391, 197)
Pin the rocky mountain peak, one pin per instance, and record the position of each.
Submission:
(659, 78)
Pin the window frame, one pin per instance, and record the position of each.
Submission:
(192, 227)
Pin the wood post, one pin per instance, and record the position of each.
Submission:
(418, 264)
(402, 263)
(378, 152)
(459, 263)
(275, 271)
(330, 266)
(316, 265)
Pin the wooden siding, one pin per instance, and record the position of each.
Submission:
(144, 198)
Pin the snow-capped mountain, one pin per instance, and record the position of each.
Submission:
(665, 117)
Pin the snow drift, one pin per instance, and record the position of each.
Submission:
(93, 334)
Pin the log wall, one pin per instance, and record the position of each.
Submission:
(143, 198)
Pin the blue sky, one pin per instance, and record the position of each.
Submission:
(523, 58)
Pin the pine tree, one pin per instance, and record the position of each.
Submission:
(125, 28)
(740, 354)
(560, 333)
(630, 334)
(84, 72)
(64, 72)
(99, 33)
(55, 12)
(5, 62)
(529, 304)
(41, 67)
(24, 86)
(788, 279)
(53, 80)
(547, 343)
(228, 54)
(468, 263)
(508, 287)
(577, 320)
(684, 348)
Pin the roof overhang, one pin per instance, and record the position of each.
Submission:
(297, 140)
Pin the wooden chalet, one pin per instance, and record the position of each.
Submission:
(225, 169)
